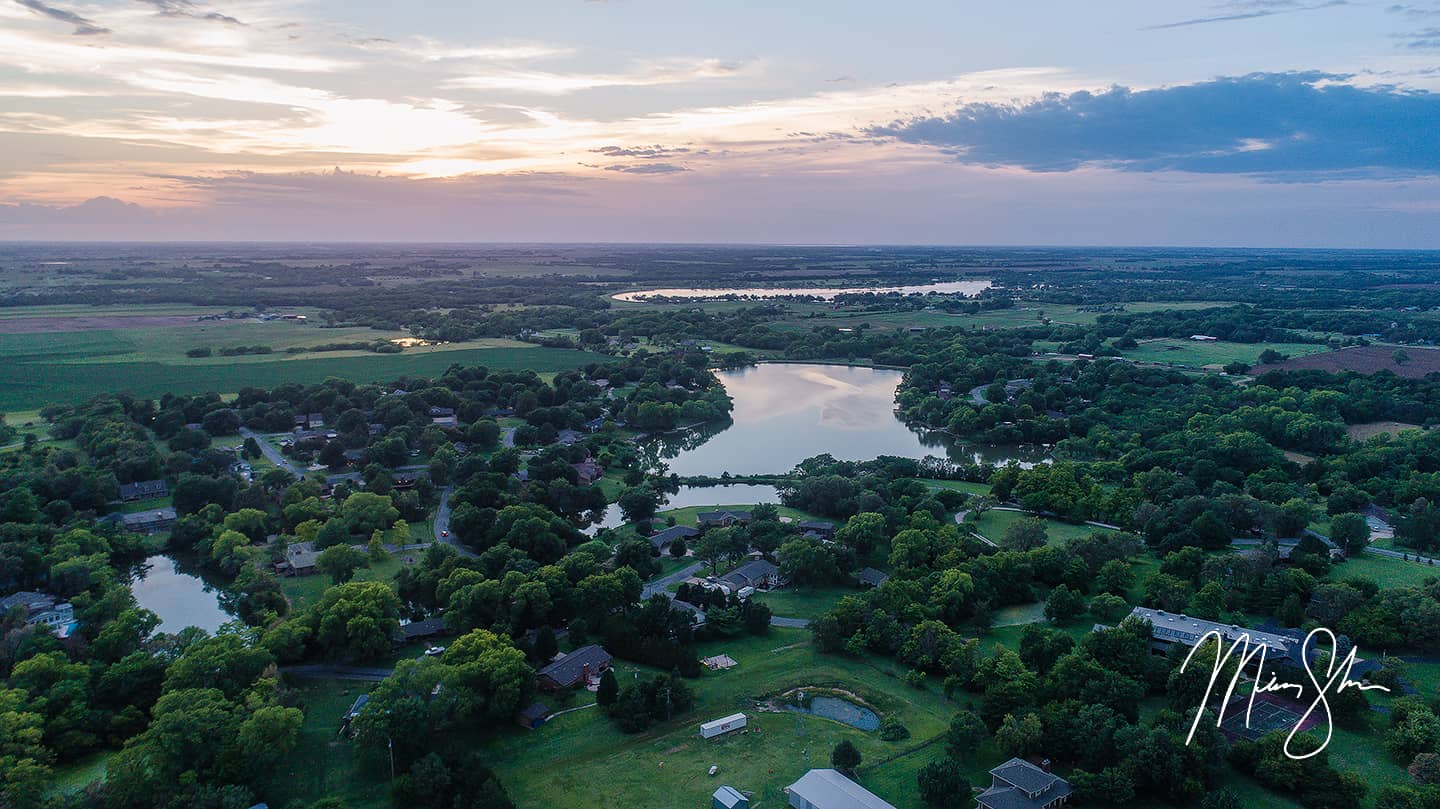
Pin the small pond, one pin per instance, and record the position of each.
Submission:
(840, 710)
(176, 592)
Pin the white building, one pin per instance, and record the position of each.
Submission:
(828, 789)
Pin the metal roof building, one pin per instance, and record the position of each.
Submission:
(828, 789)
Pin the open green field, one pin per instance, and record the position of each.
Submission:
(1384, 570)
(803, 602)
(993, 524)
(1196, 353)
(77, 775)
(582, 753)
(35, 379)
(324, 764)
(957, 485)
(689, 514)
(303, 591)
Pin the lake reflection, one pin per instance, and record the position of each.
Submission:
(178, 595)
(826, 293)
(785, 413)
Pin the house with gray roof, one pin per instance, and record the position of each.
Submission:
(1018, 784)
(576, 668)
(870, 577)
(662, 540)
(151, 521)
(144, 490)
(723, 519)
(829, 789)
(757, 573)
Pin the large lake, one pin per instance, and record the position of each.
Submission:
(943, 287)
(177, 594)
(785, 413)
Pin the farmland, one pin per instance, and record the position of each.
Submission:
(1367, 360)
(1196, 353)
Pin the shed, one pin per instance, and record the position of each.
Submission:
(533, 715)
(729, 798)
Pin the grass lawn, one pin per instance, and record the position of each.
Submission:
(302, 591)
(38, 378)
(687, 515)
(957, 485)
(77, 775)
(1383, 570)
(1194, 353)
(807, 602)
(323, 764)
(573, 754)
(994, 523)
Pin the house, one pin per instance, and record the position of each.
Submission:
(729, 798)
(441, 412)
(756, 573)
(375, 430)
(577, 668)
(588, 470)
(354, 457)
(594, 425)
(1378, 519)
(829, 789)
(662, 540)
(533, 715)
(820, 528)
(148, 522)
(1018, 784)
(144, 490)
(418, 631)
(355, 710)
(568, 436)
(41, 609)
(870, 577)
(726, 519)
(299, 560)
(444, 421)
(315, 420)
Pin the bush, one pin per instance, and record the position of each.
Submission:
(891, 730)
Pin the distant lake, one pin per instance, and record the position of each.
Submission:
(177, 594)
(943, 287)
(785, 413)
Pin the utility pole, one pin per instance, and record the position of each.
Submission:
(390, 743)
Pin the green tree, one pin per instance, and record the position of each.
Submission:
(365, 512)
(340, 562)
(1350, 532)
(1024, 534)
(845, 757)
(609, 689)
(1019, 737)
(1063, 604)
(355, 620)
(942, 783)
(965, 733)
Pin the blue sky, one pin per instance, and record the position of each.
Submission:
(1240, 122)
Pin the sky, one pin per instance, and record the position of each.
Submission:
(1268, 123)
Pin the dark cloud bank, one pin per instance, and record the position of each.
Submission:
(1287, 125)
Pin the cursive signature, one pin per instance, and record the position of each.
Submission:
(1337, 679)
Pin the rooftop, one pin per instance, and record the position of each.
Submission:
(569, 669)
(828, 789)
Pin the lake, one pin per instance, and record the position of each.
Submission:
(785, 413)
(826, 293)
(177, 594)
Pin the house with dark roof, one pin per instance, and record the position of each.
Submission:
(151, 521)
(575, 669)
(41, 609)
(418, 631)
(757, 573)
(830, 789)
(594, 425)
(1018, 784)
(662, 540)
(299, 560)
(144, 490)
(724, 519)
(820, 528)
(588, 471)
(870, 577)
(568, 436)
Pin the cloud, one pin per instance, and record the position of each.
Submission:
(185, 8)
(1426, 39)
(643, 152)
(1250, 10)
(1285, 125)
(648, 168)
(83, 26)
(95, 211)
(650, 74)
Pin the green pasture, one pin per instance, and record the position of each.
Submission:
(1196, 353)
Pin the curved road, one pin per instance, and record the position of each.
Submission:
(272, 454)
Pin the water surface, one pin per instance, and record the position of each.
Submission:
(176, 592)
(826, 293)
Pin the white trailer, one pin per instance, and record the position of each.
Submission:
(710, 730)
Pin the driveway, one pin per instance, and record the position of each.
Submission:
(272, 454)
(442, 525)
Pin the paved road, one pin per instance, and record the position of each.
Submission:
(507, 437)
(442, 525)
(335, 672)
(662, 584)
(272, 454)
